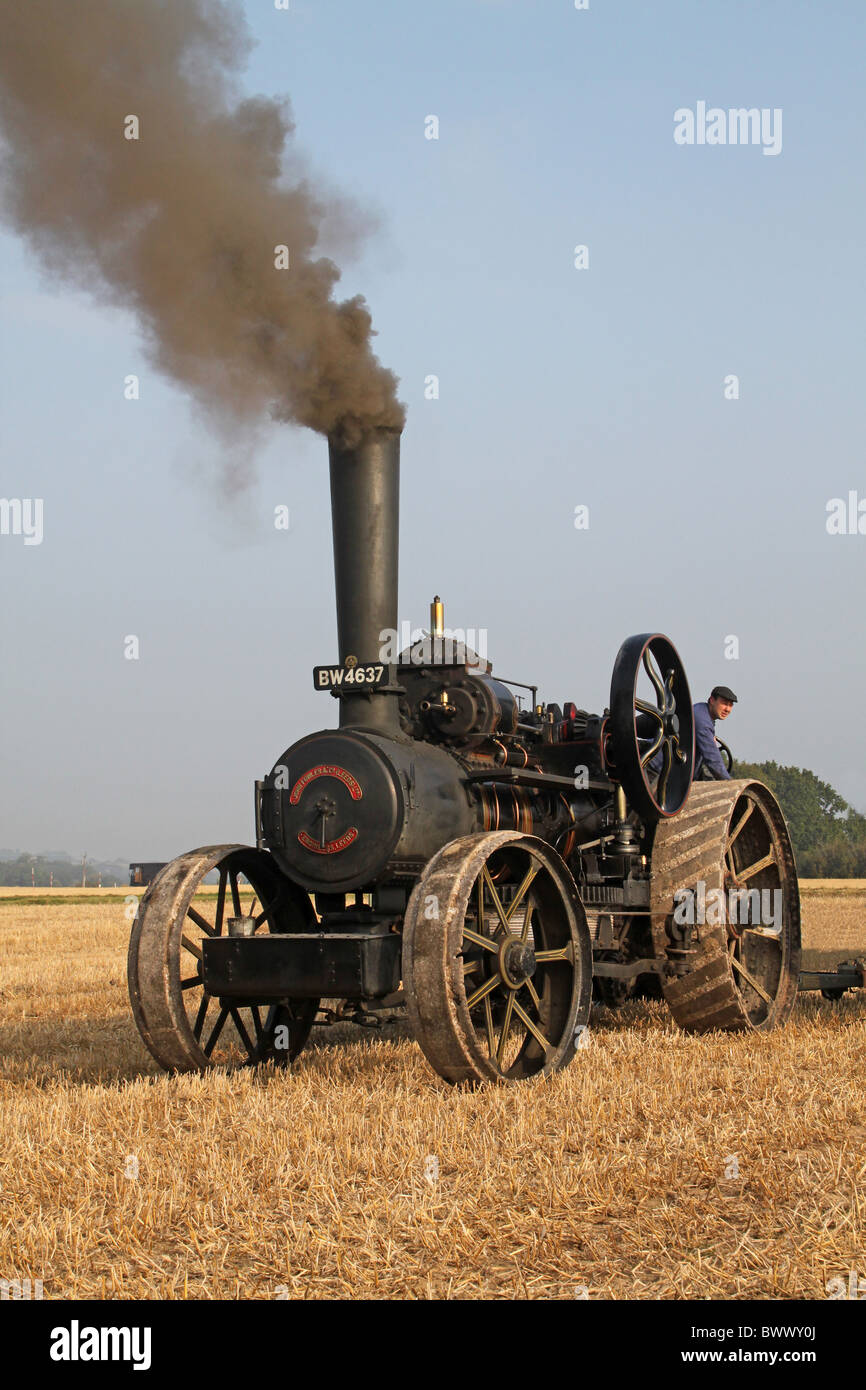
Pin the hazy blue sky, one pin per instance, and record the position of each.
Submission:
(558, 387)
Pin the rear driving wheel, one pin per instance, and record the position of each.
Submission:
(724, 872)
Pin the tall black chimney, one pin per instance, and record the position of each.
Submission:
(365, 511)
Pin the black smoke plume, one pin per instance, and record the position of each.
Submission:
(181, 224)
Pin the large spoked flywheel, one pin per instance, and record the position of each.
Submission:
(184, 1027)
(724, 870)
(652, 726)
(497, 959)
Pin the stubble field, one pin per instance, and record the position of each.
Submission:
(657, 1165)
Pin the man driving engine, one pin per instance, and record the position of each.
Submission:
(708, 759)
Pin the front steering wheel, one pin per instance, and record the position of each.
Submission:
(652, 728)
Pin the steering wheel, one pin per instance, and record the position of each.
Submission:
(652, 728)
(727, 755)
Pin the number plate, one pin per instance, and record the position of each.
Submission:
(349, 677)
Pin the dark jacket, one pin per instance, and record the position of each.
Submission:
(706, 748)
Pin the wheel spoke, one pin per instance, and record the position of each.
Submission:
(200, 1016)
(217, 1029)
(500, 910)
(257, 1021)
(536, 1032)
(271, 1022)
(506, 1025)
(191, 982)
(191, 947)
(654, 676)
(646, 708)
(750, 806)
(561, 953)
(534, 993)
(750, 979)
(524, 935)
(759, 864)
(200, 921)
(662, 786)
(483, 990)
(488, 1023)
(519, 895)
(236, 897)
(244, 1035)
(263, 915)
(221, 902)
(651, 751)
(478, 940)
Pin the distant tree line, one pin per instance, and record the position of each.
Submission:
(34, 869)
(829, 836)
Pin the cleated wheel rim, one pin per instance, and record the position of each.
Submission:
(744, 972)
(497, 960)
(184, 1027)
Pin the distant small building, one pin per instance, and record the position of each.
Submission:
(142, 874)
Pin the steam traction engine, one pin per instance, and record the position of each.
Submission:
(477, 861)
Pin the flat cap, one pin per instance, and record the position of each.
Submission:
(723, 692)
